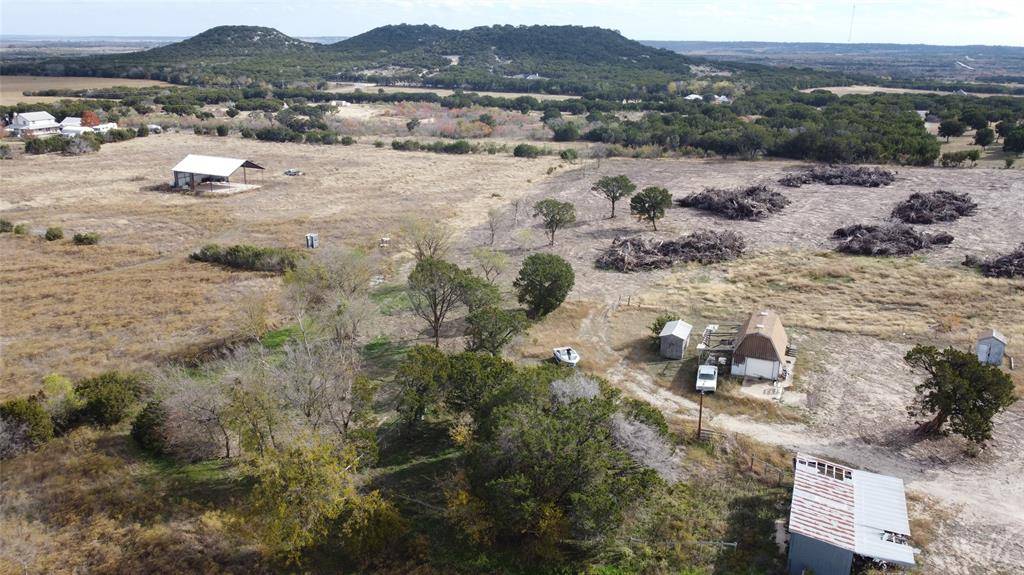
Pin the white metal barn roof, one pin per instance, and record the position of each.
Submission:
(37, 116)
(678, 328)
(855, 510)
(212, 165)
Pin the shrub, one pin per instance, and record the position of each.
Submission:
(248, 257)
(347, 140)
(20, 229)
(232, 112)
(278, 134)
(5, 152)
(29, 413)
(143, 131)
(570, 155)
(54, 233)
(248, 133)
(149, 428)
(6, 226)
(86, 239)
(543, 283)
(567, 132)
(107, 397)
(659, 324)
(378, 144)
(118, 135)
(222, 130)
(60, 401)
(526, 151)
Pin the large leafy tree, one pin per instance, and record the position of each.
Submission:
(984, 137)
(1013, 142)
(951, 128)
(550, 470)
(298, 493)
(436, 287)
(543, 282)
(421, 380)
(555, 214)
(960, 392)
(650, 204)
(490, 328)
(614, 188)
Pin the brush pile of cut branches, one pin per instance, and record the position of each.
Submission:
(890, 239)
(640, 254)
(940, 206)
(1010, 265)
(752, 203)
(840, 176)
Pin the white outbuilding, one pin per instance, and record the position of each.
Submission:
(674, 337)
(990, 347)
(213, 172)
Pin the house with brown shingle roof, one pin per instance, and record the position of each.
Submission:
(760, 347)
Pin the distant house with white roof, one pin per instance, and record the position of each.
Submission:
(31, 124)
(70, 121)
(838, 512)
(694, 97)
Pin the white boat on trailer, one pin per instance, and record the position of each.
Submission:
(566, 356)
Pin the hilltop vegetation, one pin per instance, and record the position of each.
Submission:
(556, 59)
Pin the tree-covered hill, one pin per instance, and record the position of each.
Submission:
(566, 59)
(230, 41)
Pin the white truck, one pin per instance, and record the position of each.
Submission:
(707, 378)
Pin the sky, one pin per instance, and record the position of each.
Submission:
(954, 22)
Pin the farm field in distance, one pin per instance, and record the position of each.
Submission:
(12, 88)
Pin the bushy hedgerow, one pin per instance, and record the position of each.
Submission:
(248, 257)
(108, 397)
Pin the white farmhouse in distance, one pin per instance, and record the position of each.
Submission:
(34, 124)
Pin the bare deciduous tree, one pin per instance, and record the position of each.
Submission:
(426, 238)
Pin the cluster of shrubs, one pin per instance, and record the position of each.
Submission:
(104, 400)
(250, 258)
(81, 144)
(6, 227)
(957, 159)
(52, 234)
(220, 130)
(442, 147)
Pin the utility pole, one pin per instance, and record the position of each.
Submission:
(700, 415)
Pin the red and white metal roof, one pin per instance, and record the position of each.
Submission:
(855, 510)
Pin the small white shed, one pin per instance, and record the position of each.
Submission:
(675, 336)
(991, 347)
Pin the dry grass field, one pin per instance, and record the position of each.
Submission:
(844, 90)
(136, 298)
(12, 87)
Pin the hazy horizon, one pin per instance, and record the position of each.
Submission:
(935, 22)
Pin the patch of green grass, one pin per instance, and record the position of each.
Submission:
(276, 338)
(391, 299)
(383, 354)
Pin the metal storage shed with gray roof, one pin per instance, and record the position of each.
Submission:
(990, 347)
(674, 338)
(838, 512)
